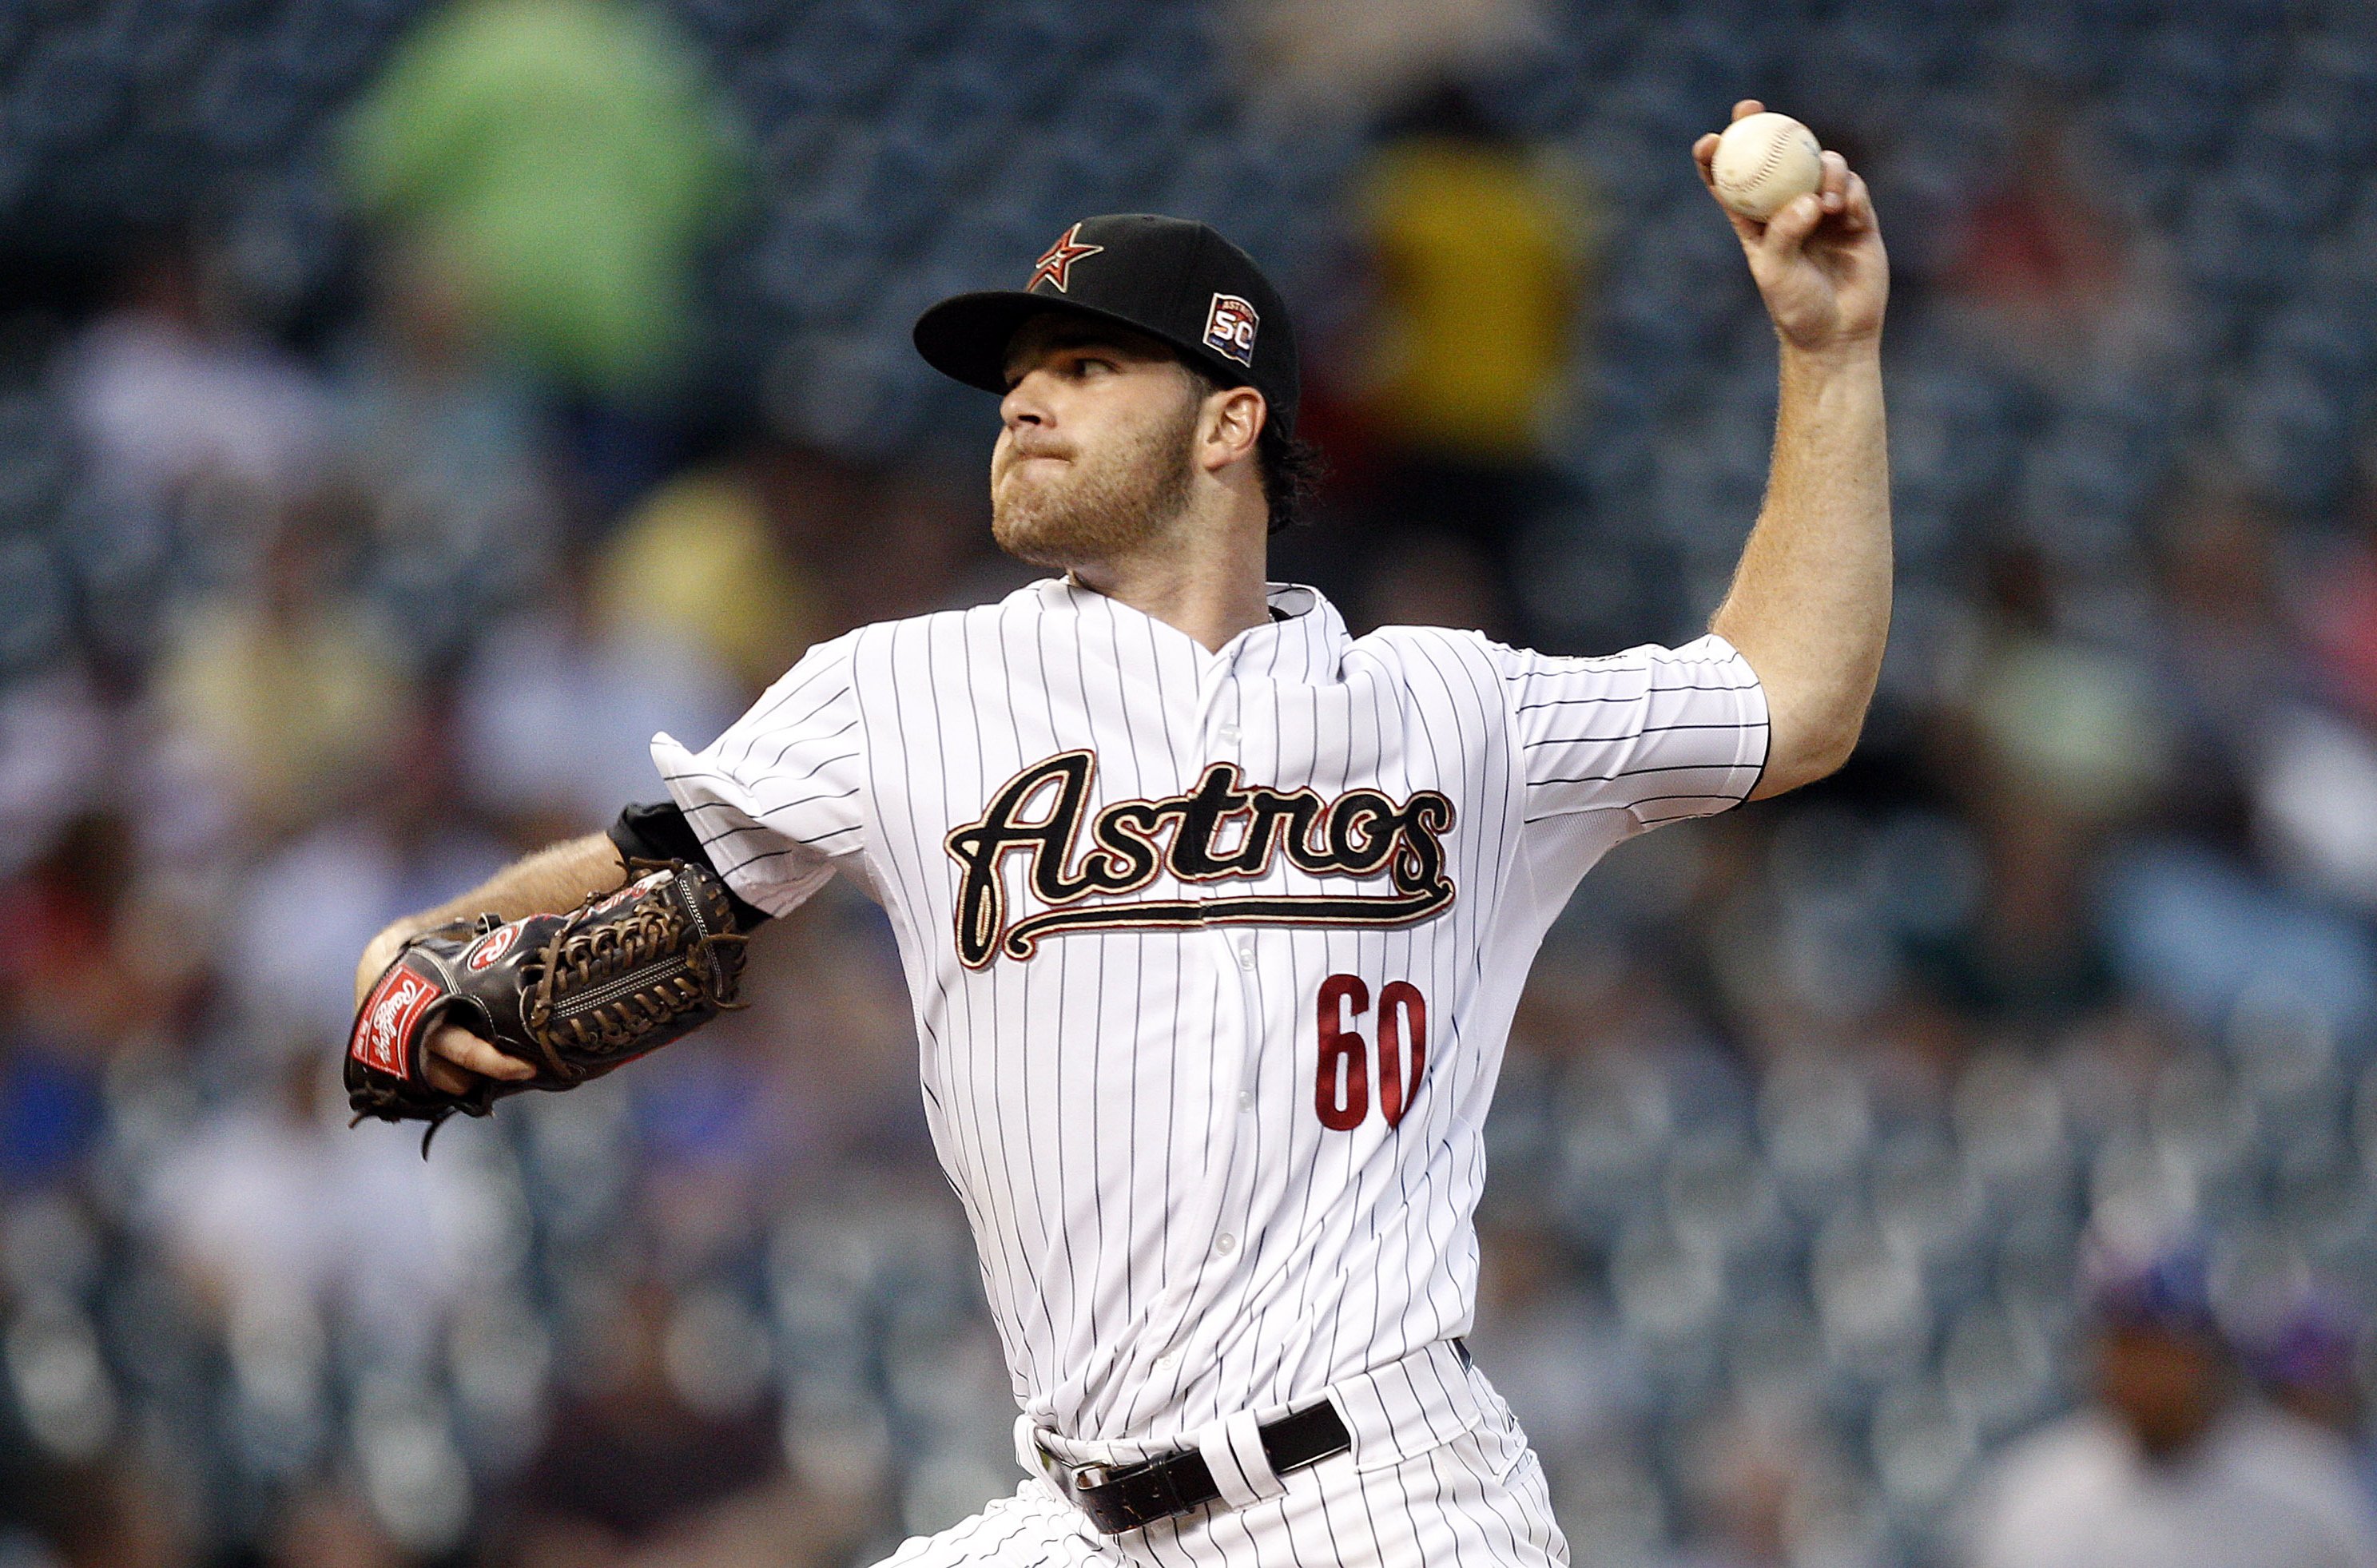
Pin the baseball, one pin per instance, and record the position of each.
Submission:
(1762, 162)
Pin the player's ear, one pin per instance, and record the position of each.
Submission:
(1232, 423)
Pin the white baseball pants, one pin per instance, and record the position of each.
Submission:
(1403, 1498)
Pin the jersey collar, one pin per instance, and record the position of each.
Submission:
(1303, 644)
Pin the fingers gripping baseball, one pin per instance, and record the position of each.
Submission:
(1816, 256)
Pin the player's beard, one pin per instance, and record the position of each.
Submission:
(1101, 503)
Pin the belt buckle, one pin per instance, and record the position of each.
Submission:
(1089, 1477)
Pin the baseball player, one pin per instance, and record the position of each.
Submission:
(1214, 916)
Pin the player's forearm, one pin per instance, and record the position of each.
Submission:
(555, 878)
(1809, 605)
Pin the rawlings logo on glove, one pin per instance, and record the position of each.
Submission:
(572, 995)
(388, 1020)
(494, 945)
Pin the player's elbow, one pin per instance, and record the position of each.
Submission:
(1807, 741)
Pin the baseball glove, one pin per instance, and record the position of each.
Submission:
(572, 995)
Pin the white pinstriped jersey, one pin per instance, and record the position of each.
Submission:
(1212, 954)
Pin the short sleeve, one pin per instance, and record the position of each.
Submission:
(1657, 733)
(780, 796)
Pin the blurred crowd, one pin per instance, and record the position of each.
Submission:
(406, 409)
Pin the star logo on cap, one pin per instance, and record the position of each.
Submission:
(1056, 266)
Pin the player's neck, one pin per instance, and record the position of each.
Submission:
(1207, 581)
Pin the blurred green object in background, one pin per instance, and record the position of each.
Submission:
(572, 156)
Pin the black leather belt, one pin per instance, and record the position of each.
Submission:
(1128, 1497)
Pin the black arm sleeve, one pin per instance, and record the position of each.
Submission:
(659, 832)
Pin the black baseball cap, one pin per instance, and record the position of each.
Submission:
(1176, 281)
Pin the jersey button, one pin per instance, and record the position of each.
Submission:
(1229, 733)
(1227, 1245)
(1246, 1099)
(1246, 958)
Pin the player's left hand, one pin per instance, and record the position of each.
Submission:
(1819, 262)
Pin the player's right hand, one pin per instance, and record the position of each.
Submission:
(1819, 262)
(455, 1059)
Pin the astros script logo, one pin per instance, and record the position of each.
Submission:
(1360, 834)
(1056, 264)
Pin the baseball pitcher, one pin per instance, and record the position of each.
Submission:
(1214, 917)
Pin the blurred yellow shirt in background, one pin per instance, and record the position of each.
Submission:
(699, 564)
(284, 715)
(1479, 248)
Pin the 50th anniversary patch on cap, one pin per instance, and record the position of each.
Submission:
(1230, 329)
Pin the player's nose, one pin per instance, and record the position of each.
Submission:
(1024, 405)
